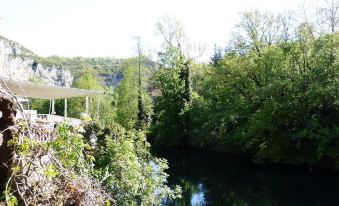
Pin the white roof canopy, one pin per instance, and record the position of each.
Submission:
(43, 91)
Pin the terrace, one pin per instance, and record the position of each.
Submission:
(25, 90)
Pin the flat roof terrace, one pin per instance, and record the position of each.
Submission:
(44, 91)
(50, 92)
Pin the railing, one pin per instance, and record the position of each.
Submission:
(43, 125)
(56, 119)
(48, 118)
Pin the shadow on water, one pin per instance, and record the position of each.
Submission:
(209, 178)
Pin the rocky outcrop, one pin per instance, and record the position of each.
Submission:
(19, 63)
(111, 80)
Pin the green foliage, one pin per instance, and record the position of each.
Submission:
(41, 105)
(173, 106)
(86, 78)
(269, 103)
(61, 163)
(69, 146)
(100, 64)
(36, 80)
(172, 81)
(123, 163)
(10, 198)
(271, 96)
(118, 158)
(128, 95)
(51, 172)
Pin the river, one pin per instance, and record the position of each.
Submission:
(209, 178)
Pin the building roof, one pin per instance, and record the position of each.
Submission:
(43, 91)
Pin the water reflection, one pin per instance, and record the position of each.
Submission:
(198, 197)
(213, 179)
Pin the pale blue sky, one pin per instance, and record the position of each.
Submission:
(106, 27)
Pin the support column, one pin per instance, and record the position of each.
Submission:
(87, 105)
(98, 111)
(65, 112)
(53, 106)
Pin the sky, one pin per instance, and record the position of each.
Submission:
(105, 28)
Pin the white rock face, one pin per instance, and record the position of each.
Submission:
(16, 62)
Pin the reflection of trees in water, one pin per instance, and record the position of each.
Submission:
(235, 181)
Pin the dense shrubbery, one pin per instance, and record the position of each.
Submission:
(103, 165)
(51, 168)
(125, 166)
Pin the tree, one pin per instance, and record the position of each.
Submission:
(256, 30)
(142, 114)
(173, 79)
(268, 97)
(86, 78)
(133, 101)
(328, 16)
(217, 56)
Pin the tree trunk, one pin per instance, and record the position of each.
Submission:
(7, 119)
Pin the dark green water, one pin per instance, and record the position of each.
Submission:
(217, 179)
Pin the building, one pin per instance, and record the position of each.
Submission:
(24, 90)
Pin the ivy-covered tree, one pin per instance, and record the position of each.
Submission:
(173, 80)
(133, 106)
(142, 115)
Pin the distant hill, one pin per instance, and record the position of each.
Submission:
(16, 47)
(19, 63)
(16, 61)
(109, 69)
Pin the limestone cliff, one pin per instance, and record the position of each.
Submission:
(17, 62)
